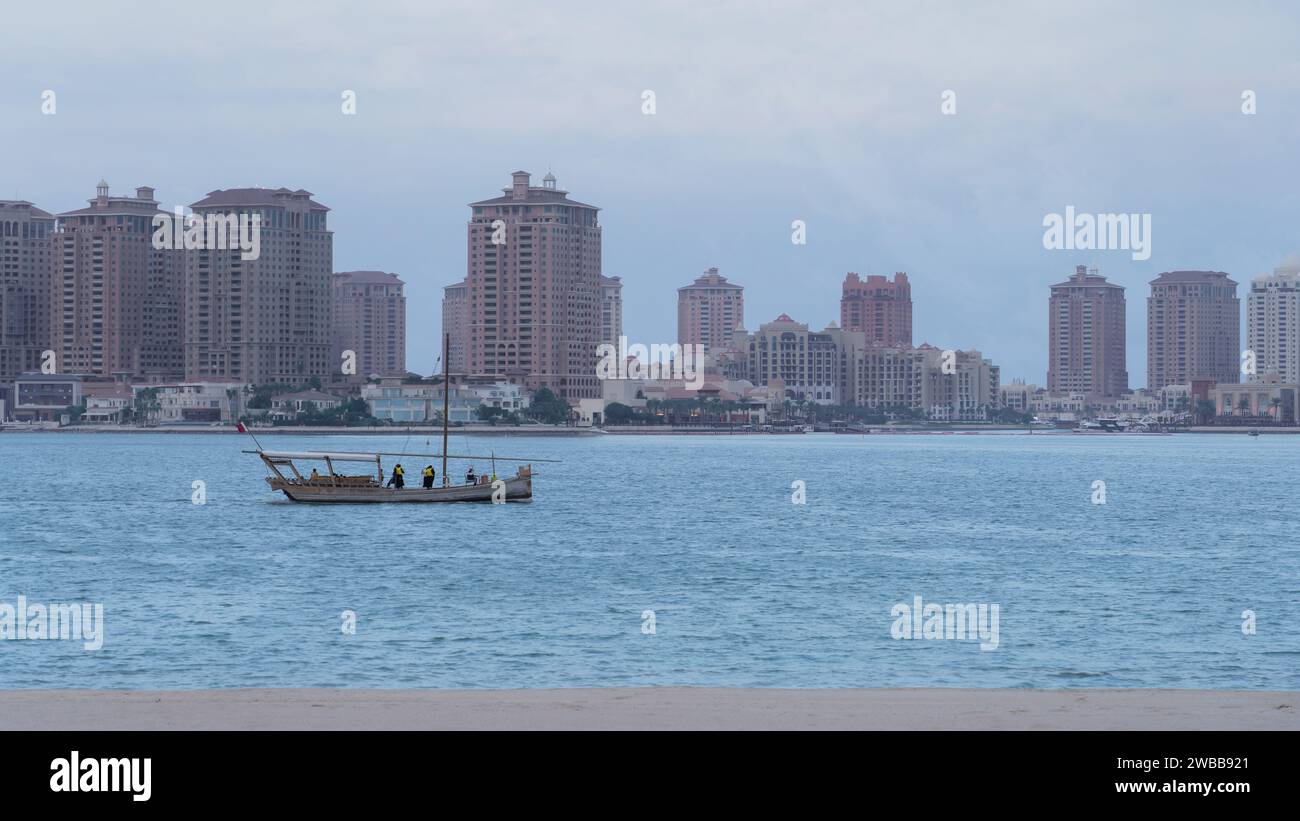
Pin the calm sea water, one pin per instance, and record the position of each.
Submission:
(747, 588)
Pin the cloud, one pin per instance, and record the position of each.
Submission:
(766, 112)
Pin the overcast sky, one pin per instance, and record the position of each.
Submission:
(765, 113)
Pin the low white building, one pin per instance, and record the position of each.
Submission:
(591, 412)
(1176, 398)
(289, 405)
(1138, 403)
(1018, 396)
(107, 403)
(419, 402)
(508, 396)
(192, 401)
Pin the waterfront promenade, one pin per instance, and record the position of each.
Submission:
(666, 708)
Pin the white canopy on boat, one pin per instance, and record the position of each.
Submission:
(370, 457)
(335, 457)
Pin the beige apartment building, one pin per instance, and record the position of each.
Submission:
(1017, 396)
(534, 263)
(26, 236)
(961, 386)
(835, 366)
(1268, 397)
(964, 390)
(455, 327)
(1193, 328)
(889, 377)
(709, 310)
(814, 366)
(611, 309)
(370, 321)
(1273, 324)
(1086, 345)
(267, 319)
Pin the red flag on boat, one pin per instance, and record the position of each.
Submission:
(241, 428)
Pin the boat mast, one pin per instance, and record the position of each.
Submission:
(446, 402)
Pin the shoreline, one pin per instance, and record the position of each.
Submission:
(545, 430)
(650, 708)
(526, 430)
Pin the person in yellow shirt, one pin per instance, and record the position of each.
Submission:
(429, 473)
(398, 479)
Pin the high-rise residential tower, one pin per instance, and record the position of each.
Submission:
(879, 308)
(1273, 325)
(370, 321)
(709, 310)
(116, 298)
(1086, 352)
(266, 319)
(534, 288)
(455, 325)
(611, 309)
(1193, 328)
(25, 301)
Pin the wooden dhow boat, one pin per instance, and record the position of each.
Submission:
(335, 486)
(338, 486)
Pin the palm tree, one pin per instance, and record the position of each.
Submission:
(1276, 403)
(1205, 410)
(233, 395)
(146, 405)
(1243, 405)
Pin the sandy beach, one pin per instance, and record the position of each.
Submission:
(649, 709)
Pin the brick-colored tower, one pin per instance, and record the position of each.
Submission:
(116, 299)
(25, 238)
(879, 308)
(534, 288)
(370, 320)
(1086, 352)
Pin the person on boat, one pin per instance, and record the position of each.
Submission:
(429, 473)
(314, 476)
(398, 479)
(469, 476)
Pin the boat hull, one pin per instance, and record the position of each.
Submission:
(517, 489)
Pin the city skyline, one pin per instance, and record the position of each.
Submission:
(337, 342)
(609, 286)
(884, 180)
